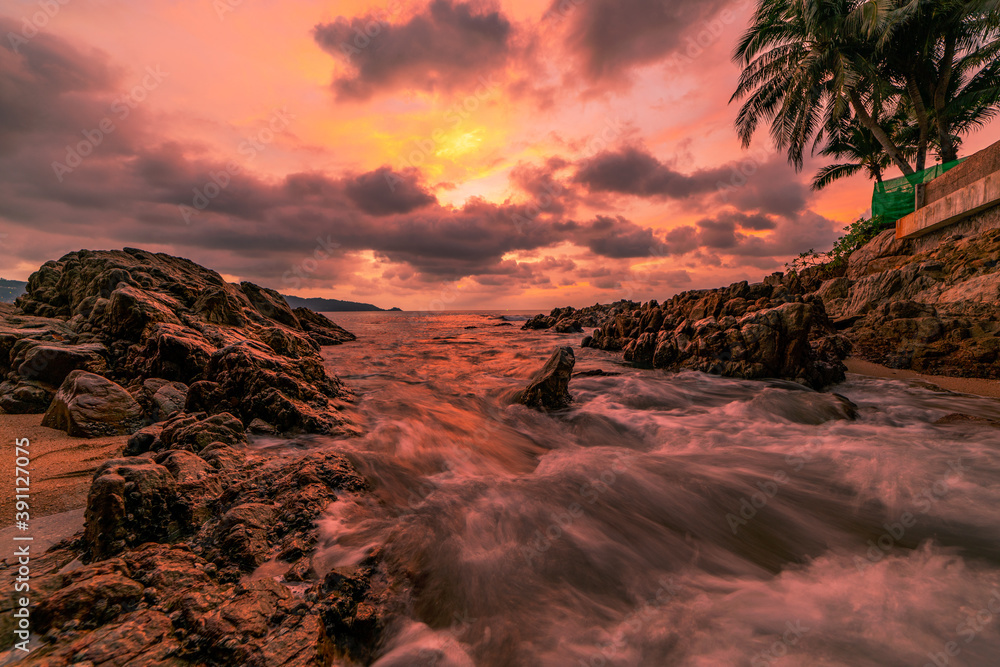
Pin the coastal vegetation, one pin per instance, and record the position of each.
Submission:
(878, 83)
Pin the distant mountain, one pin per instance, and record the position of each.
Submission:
(330, 305)
(10, 290)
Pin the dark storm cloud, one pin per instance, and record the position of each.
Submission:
(765, 183)
(447, 45)
(36, 76)
(757, 184)
(385, 192)
(619, 238)
(633, 171)
(611, 36)
(731, 233)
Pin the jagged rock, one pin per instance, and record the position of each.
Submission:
(568, 326)
(937, 311)
(351, 619)
(131, 312)
(90, 406)
(765, 330)
(203, 396)
(162, 317)
(321, 329)
(161, 398)
(540, 322)
(884, 245)
(191, 433)
(172, 352)
(243, 534)
(270, 304)
(292, 395)
(142, 637)
(549, 387)
(129, 503)
(185, 466)
(140, 509)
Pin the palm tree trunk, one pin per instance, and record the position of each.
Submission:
(890, 148)
(923, 118)
(948, 151)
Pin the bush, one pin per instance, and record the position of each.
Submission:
(858, 234)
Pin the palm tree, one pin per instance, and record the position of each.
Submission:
(945, 53)
(864, 154)
(807, 64)
(811, 65)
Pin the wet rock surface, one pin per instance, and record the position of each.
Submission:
(549, 388)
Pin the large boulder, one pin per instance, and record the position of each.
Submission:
(549, 387)
(90, 406)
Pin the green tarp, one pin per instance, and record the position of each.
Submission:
(897, 198)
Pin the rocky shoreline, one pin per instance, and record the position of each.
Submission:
(934, 311)
(189, 366)
(197, 547)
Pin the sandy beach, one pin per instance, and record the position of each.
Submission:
(61, 466)
(977, 386)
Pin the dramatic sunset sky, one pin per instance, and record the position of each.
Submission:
(458, 155)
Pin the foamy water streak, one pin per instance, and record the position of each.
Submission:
(664, 519)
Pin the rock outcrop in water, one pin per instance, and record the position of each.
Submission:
(549, 388)
(766, 330)
(135, 318)
(934, 311)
